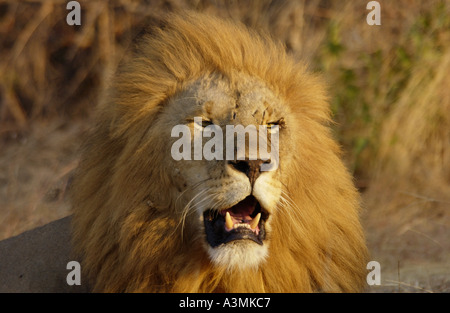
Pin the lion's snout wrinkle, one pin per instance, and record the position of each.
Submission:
(294, 228)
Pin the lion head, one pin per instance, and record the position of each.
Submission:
(147, 220)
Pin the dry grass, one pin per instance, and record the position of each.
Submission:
(389, 86)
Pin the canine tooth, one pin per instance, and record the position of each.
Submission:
(255, 221)
(228, 221)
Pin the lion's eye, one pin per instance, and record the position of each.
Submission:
(206, 123)
(275, 126)
(203, 123)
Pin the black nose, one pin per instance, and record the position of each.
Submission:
(251, 168)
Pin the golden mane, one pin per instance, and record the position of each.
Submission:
(128, 244)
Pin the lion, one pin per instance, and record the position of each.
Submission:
(145, 222)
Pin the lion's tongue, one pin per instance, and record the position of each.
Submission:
(240, 215)
(243, 209)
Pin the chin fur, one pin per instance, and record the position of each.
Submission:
(238, 255)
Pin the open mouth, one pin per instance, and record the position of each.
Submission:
(244, 220)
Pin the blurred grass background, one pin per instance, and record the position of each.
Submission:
(390, 91)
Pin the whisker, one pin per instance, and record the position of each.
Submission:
(286, 210)
(289, 199)
(187, 210)
(289, 208)
(197, 184)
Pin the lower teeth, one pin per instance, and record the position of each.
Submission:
(241, 225)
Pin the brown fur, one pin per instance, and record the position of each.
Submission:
(129, 244)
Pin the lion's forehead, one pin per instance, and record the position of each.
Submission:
(244, 101)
